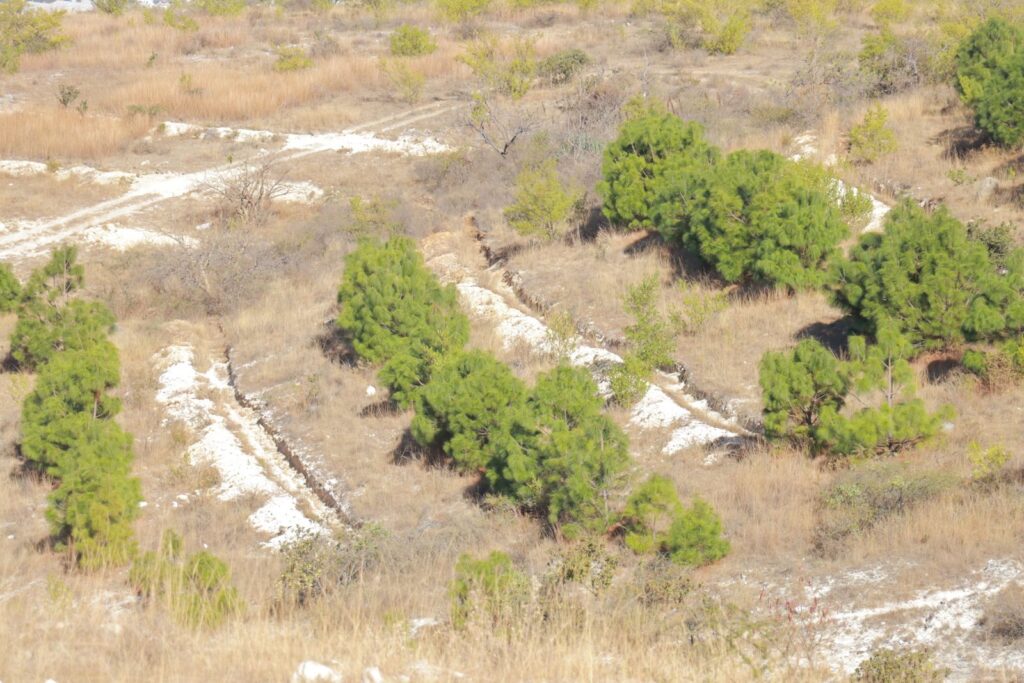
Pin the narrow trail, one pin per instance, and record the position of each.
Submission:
(28, 239)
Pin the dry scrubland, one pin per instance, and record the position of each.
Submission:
(266, 287)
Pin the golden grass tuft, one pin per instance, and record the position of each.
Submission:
(56, 133)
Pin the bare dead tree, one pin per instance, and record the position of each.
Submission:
(499, 123)
(244, 195)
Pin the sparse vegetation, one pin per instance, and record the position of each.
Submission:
(411, 41)
(871, 139)
(27, 31)
(543, 203)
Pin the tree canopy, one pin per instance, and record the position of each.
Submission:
(926, 276)
(398, 314)
(990, 79)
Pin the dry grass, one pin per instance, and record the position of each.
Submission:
(57, 133)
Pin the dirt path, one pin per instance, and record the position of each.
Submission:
(28, 239)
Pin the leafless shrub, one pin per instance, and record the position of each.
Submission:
(500, 123)
(217, 274)
(244, 196)
(592, 111)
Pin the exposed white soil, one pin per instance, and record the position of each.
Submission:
(123, 238)
(807, 148)
(851, 623)
(230, 438)
(692, 422)
(27, 239)
(21, 168)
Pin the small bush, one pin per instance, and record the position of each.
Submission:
(871, 139)
(655, 521)
(891, 666)
(175, 16)
(562, 66)
(892, 63)
(998, 240)
(27, 31)
(411, 41)
(797, 386)
(986, 463)
(651, 336)
(862, 498)
(698, 306)
(543, 203)
(508, 73)
(407, 81)
(10, 289)
(115, 7)
(222, 8)
(886, 12)
(629, 380)
(291, 59)
(373, 218)
(461, 11)
(490, 590)
(197, 590)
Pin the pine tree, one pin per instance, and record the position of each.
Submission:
(93, 507)
(656, 158)
(925, 275)
(474, 410)
(764, 219)
(990, 79)
(797, 386)
(581, 455)
(397, 313)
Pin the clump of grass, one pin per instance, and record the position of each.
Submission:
(292, 59)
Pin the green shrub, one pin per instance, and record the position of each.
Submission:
(491, 590)
(990, 79)
(398, 314)
(373, 218)
(412, 41)
(998, 240)
(291, 59)
(115, 7)
(947, 293)
(656, 155)
(652, 340)
(805, 391)
(175, 17)
(891, 666)
(462, 11)
(543, 203)
(871, 139)
(475, 411)
(891, 63)
(562, 66)
(27, 31)
(222, 8)
(71, 388)
(196, 590)
(986, 463)
(510, 74)
(655, 520)
(760, 218)
(886, 12)
(10, 289)
(698, 306)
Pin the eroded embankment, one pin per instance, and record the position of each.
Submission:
(235, 440)
(691, 422)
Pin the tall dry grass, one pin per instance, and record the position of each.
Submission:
(58, 133)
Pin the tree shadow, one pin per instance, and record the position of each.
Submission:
(593, 224)
(834, 335)
(942, 369)
(383, 408)
(960, 142)
(408, 451)
(336, 344)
